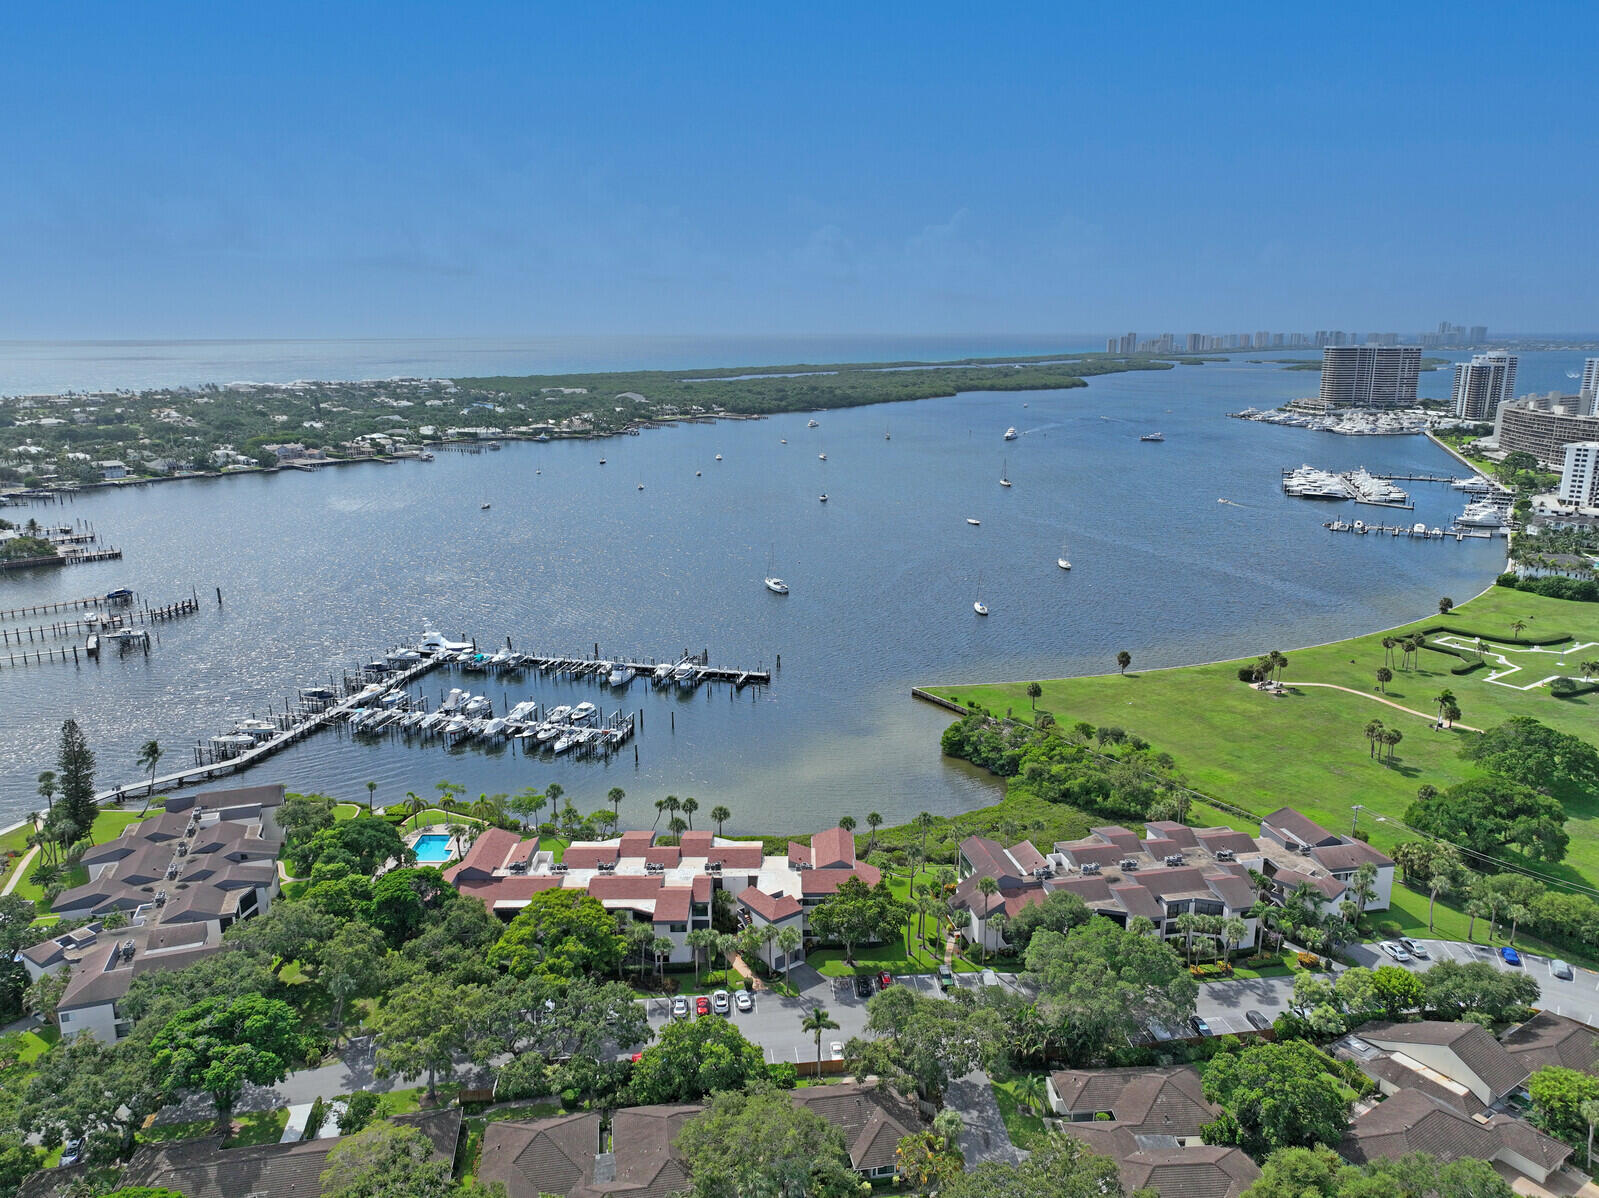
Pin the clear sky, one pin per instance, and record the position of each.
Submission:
(393, 169)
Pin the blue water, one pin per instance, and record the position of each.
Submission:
(321, 570)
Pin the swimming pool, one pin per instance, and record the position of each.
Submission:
(433, 848)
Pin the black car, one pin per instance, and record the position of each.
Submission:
(1257, 1021)
(1201, 1028)
(863, 986)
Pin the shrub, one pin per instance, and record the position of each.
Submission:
(1309, 961)
(314, 1119)
(358, 1111)
(1389, 929)
(1246, 673)
(570, 1098)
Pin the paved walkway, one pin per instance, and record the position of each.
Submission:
(1333, 686)
(983, 1136)
(19, 870)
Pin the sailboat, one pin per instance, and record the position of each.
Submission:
(1061, 560)
(886, 436)
(773, 583)
(980, 607)
(1004, 476)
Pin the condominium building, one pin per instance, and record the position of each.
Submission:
(1479, 334)
(1543, 425)
(1590, 385)
(1370, 376)
(1579, 477)
(1484, 383)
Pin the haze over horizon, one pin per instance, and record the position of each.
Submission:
(518, 172)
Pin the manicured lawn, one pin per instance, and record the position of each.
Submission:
(1027, 1129)
(434, 815)
(344, 811)
(108, 825)
(257, 1127)
(875, 958)
(1309, 751)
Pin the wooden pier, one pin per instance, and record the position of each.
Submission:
(1401, 530)
(114, 599)
(579, 667)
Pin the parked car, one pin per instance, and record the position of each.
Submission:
(680, 1007)
(836, 1050)
(946, 977)
(885, 980)
(1257, 1021)
(1561, 969)
(863, 986)
(720, 1003)
(1510, 956)
(72, 1152)
(743, 1001)
(1201, 1028)
(702, 1005)
(1395, 950)
(1414, 947)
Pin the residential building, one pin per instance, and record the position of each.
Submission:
(203, 1169)
(1112, 344)
(1129, 343)
(1543, 425)
(1412, 1121)
(1579, 474)
(1590, 386)
(1370, 376)
(1148, 1120)
(568, 1154)
(180, 879)
(111, 470)
(1174, 870)
(1482, 384)
(1478, 334)
(669, 886)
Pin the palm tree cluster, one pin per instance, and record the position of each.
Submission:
(1448, 707)
(1226, 931)
(1388, 738)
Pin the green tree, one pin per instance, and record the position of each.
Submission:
(1384, 677)
(925, 1042)
(1396, 990)
(693, 1058)
(386, 1161)
(76, 766)
(289, 931)
(816, 1021)
(1061, 1167)
(220, 1044)
(1060, 911)
(1476, 990)
(1558, 1096)
(560, 933)
(690, 806)
(352, 965)
(527, 804)
(1490, 814)
(1555, 763)
(303, 816)
(424, 1025)
(1105, 984)
(1285, 1094)
(87, 1089)
(1445, 605)
(856, 913)
(150, 755)
(1035, 691)
(403, 899)
(762, 1142)
(720, 815)
(789, 941)
(1123, 660)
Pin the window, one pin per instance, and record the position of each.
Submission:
(678, 927)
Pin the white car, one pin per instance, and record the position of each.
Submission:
(1561, 969)
(836, 1050)
(720, 1003)
(744, 1001)
(1414, 947)
(680, 1007)
(1395, 950)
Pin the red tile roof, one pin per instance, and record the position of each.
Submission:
(696, 843)
(771, 908)
(836, 846)
(672, 904)
(738, 856)
(487, 854)
(507, 889)
(588, 856)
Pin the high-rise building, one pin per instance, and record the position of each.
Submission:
(1196, 342)
(1370, 376)
(1129, 343)
(1543, 425)
(1262, 340)
(1479, 334)
(1579, 477)
(1590, 385)
(1484, 383)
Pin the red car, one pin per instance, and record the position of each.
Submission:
(702, 1005)
(885, 980)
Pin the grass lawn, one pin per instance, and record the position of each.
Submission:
(875, 958)
(1309, 750)
(1027, 1129)
(257, 1127)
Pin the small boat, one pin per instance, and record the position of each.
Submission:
(973, 520)
(565, 743)
(823, 497)
(696, 474)
(641, 486)
(1004, 479)
(821, 457)
(718, 457)
(979, 606)
(1063, 563)
(782, 441)
(886, 436)
(1153, 437)
(777, 586)
(602, 461)
(483, 507)
(687, 674)
(547, 733)
(621, 675)
(584, 712)
(424, 456)
(662, 673)
(558, 716)
(812, 424)
(1011, 433)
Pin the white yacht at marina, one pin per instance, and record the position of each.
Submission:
(621, 674)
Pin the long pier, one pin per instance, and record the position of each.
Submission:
(147, 615)
(114, 599)
(1400, 530)
(581, 666)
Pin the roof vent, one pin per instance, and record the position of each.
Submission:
(126, 948)
(1224, 854)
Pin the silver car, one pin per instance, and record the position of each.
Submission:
(1561, 969)
(680, 1007)
(1395, 950)
(744, 1001)
(720, 1003)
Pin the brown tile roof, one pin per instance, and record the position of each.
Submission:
(1352, 854)
(987, 858)
(873, 1119)
(1474, 1045)
(1202, 1171)
(1165, 829)
(1550, 1039)
(672, 904)
(1136, 900)
(1117, 835)
(588, 856)
(1298, 827)
(633, 844)
(769, 907)
(1026, 855)
(540, 1156)
(1094, 852)
(1211, 839)
(696, 843)
(737, 856)
(515, 888)
(1162, 1102)
(1410, 1121)
(668, 855)
(487, 854)
(611, 888)
(826, 881)
(836, 846)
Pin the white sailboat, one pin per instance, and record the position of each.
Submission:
(773, 583)
(979, 606)
(1004, 474)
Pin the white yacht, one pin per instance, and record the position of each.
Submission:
(1062, 562)
(821, 457)
(686, 674)
(718, 457)
(432, 640)
(663, 673)
(979, 606)
(1011, 434)
(584, 712)
(1153, 437)
(823, 496)
(777, 586)
(560, 714)
(1482, 515)
(811, 424)
(973, 520)
(621, 674)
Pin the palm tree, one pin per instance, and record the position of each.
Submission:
(1391, 738)
(1186, 925)
(690, 806)
(1388, 644)
(720, 814)
(371, 793)
(1589, 668)
(1373, 734)
(1233, 931)
(817, 1021)
(1474, 908)
(676, 826)
(1442, 699)
(766, 936)
(661, 948)
(1451, 713)
(701, 940)
(789, 941)
(1033, 692)
(1439, 883)
(1123, 660)
(1517, 627)
(874, 821)
(1589, 1110)
(149, 758)
(614, 797)
(924, 821)
(47, 789)
(673, 806)
(660, 809)
(988, 887)
(847, 822)
(415, 804)
(1384, 677)
(1032, 1092)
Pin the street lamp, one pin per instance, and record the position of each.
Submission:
(1354, 817)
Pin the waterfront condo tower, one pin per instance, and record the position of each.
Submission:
(1579, 477)
(1370, 376)
(1484, 383)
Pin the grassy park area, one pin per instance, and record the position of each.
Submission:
(1308, 748)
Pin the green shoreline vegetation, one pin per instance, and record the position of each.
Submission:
(56, 440)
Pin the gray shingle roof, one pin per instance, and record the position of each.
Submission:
(1411, 1121)
(1471, 1043)
(1169, 1101)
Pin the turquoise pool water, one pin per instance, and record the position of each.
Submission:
(433, 849)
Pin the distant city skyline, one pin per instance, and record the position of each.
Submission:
(506, 170)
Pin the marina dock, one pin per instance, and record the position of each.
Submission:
(1414, 532)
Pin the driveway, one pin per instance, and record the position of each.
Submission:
(983, 1136)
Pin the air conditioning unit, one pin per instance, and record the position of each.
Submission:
(560, 867)
(1090, 867)
(160, 898)
(172, 871)
(127, 948)
(1174, 859)
(1129, 863)
(1043, 871)
(1224, 854)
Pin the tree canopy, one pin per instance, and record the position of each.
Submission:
(762, 1142)
(1277, 1095)
(1490, 814)
(1319, 1173)
(1547, 760)
(560, 933)
(856, 914)
(386, 1161)
(1060, 911)
(220, 1044)
(693, 1058)
(1062, 1167)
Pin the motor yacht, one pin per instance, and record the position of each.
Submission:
(621, 675)
(811, 424)
(777, 586)
(584, 712)
(1011, 434)
(1153, 437)
(973, 520)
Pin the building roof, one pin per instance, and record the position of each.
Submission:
(563, 1155)
(489, 852)
(1411, 1121)
(1166, 1102)
(203, 1169)
(116, 958)
(1297, 827)
(873, 1119)
(1471, 1044)
(1159, 1163)
(771, 908)
(832, 848)
(1550, 1039)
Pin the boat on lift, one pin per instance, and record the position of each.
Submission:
(621, 674)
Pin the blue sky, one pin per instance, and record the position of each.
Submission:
(392, 169)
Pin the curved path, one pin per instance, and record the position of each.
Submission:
(1333, 686)
(18, 869)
